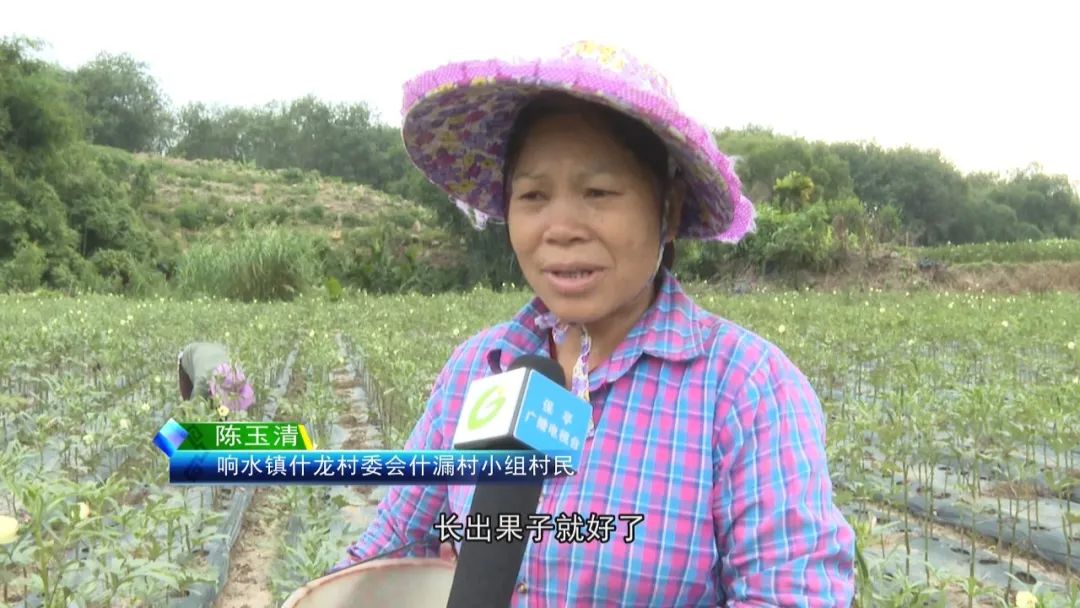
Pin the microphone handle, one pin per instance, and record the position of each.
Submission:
(486, 573)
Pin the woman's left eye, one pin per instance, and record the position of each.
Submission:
(596, 192)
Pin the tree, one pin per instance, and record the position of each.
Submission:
(35, 120)
(1046, 202)
(214, 132)
(765, 157)
(61, 199)
(126, 107)
(927, 189)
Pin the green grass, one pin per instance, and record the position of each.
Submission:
(1053, 250)
(268, 264)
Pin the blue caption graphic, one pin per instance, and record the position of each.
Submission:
(375, 467)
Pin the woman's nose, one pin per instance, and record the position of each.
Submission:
(566, 220)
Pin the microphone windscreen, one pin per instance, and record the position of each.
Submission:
(547, 366)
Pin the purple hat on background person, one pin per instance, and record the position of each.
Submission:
(458, 119)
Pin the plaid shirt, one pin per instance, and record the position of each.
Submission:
(706, 430)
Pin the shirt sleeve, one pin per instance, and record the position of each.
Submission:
(405, 516)
(782, 541)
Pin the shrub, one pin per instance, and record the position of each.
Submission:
(313, 214)
(271, 214)
(801, 240)
(351, 220)
(293, 175)
(143, 190)
(25, 271)
(816, 237)
(192, 215)
(123, 273)
(333, 289)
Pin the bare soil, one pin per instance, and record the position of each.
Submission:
(248, 583)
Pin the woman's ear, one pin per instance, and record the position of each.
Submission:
(676, 196)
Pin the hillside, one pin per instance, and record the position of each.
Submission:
(192, 198)
(359, 235)
(146, 213)
(207, 199)
(200, 200)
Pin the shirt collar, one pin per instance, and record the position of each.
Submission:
(673, 328)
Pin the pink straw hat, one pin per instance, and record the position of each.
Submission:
(458, 118)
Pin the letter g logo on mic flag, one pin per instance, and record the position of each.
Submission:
(487, 415)
(486, 408)
(524, 409)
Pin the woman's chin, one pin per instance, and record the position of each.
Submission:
(574, 311)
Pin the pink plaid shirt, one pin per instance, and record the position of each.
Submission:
(706, 430)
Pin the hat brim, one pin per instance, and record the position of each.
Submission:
(458, 119)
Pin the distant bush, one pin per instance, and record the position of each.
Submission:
(819, 236)
(384, 258)
(122, 273)
(266, 264)
(272, 214)
(25, 270)
(160, 212)
(351, 220)
(293, 175)
(334, 291)
(143, 190)
(312, 214)
(192, 215)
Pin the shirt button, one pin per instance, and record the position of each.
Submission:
(522, 588)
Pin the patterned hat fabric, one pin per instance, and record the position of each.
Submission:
(458, 119)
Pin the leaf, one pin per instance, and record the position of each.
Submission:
(161, 572)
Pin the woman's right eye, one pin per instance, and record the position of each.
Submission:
(532, 195)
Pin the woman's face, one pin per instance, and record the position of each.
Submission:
(584, 220)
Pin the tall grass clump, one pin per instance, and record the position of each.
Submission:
(265, 264)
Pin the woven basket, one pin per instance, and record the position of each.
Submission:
(400, 583)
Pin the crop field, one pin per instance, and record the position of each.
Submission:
(953, 436)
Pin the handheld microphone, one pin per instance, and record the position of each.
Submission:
(525, 408)
(528, 408)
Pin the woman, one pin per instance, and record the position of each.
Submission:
(704, 428)
(203, 370)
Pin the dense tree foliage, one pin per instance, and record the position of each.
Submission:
(63, 212)
(125, 106)
(937, 204)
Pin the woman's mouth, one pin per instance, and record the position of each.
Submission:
(573, 281)
(575, 274)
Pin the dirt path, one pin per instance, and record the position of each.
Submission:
(248, 584)
(360, 433)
